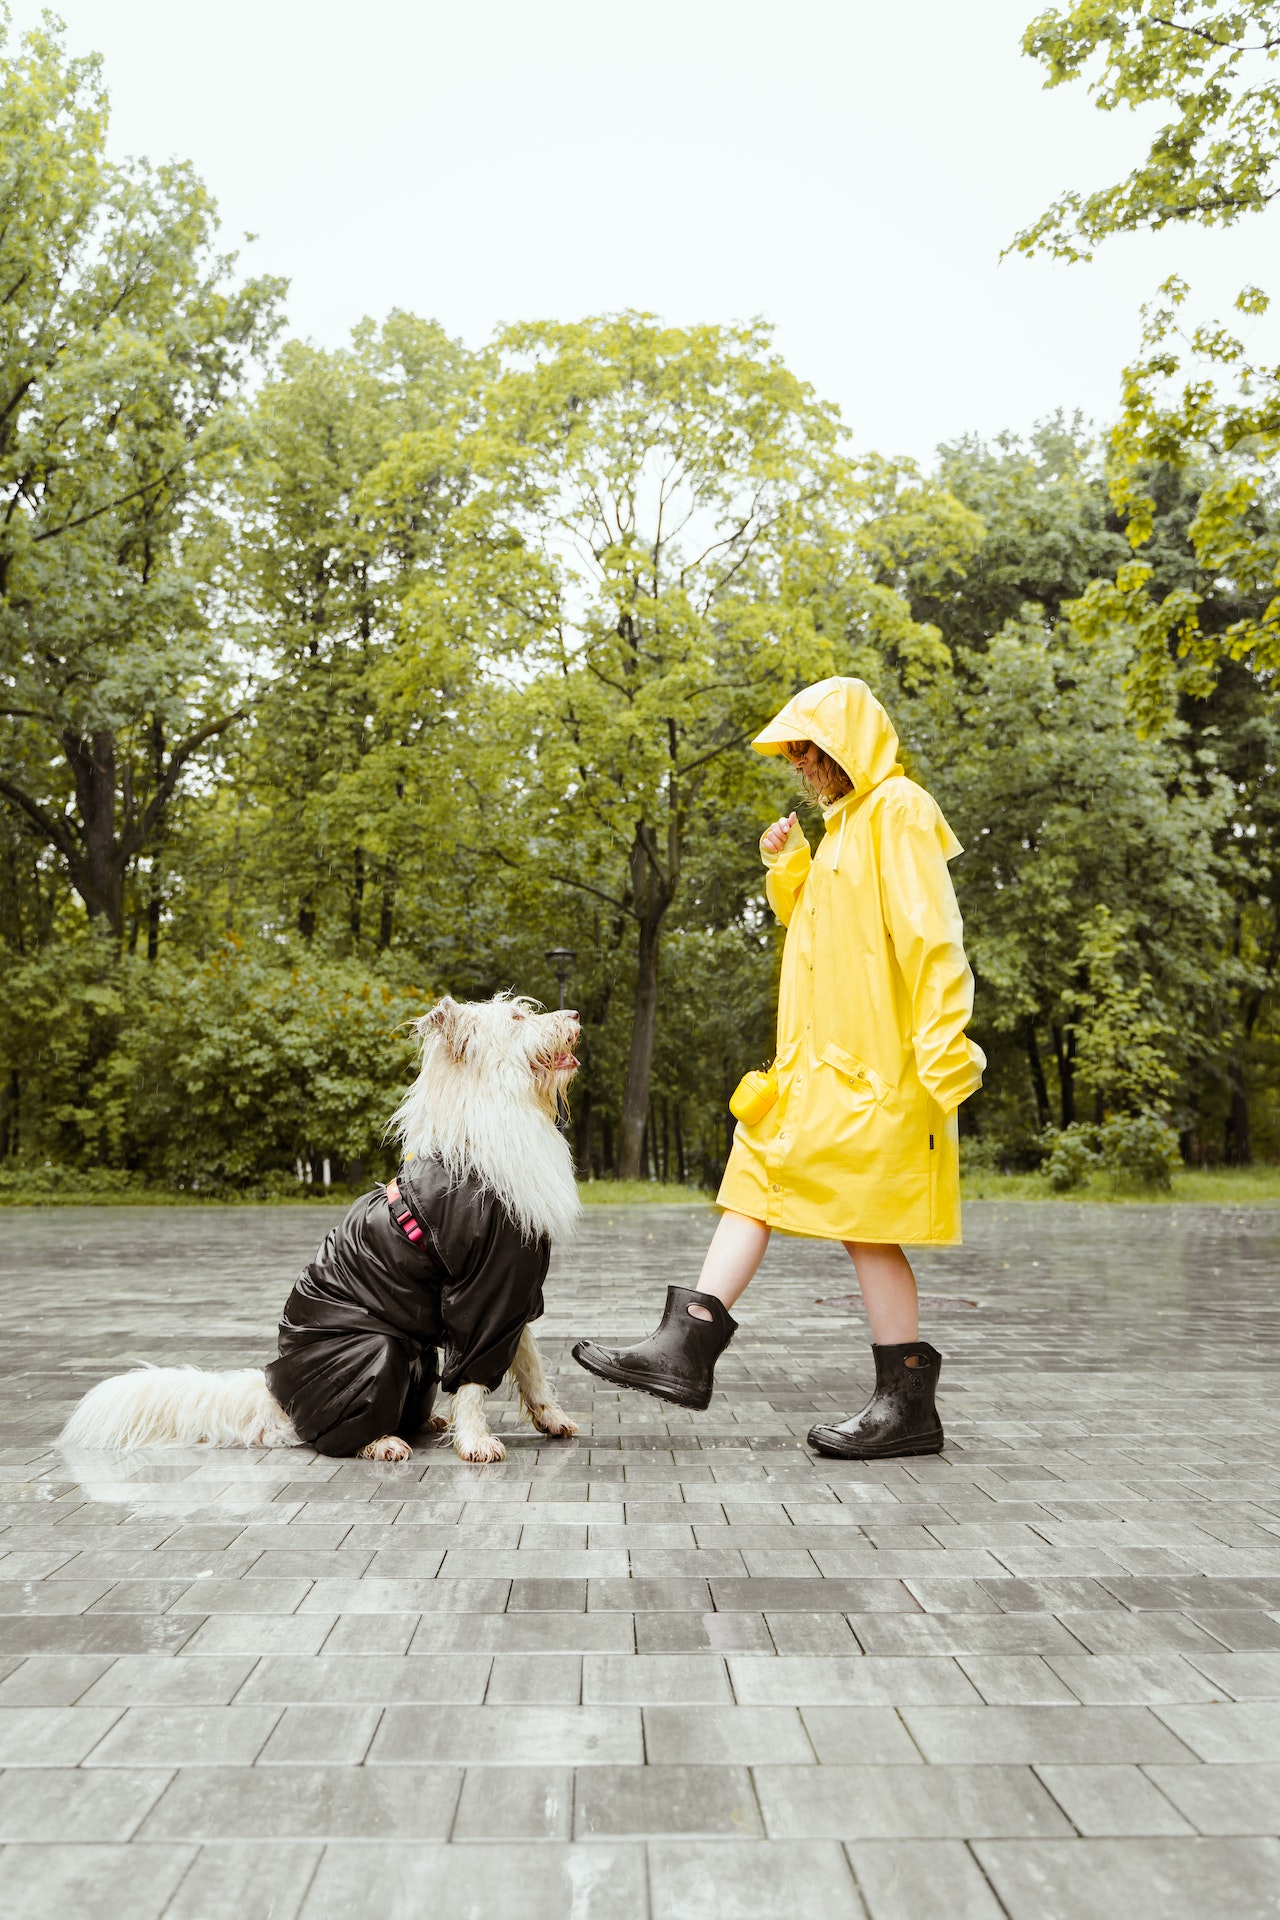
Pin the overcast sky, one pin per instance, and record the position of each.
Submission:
(847, 170)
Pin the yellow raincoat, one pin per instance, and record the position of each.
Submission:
(874, 998)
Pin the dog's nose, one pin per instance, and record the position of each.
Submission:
(571, 1013)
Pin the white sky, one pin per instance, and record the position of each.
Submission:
(847, 170)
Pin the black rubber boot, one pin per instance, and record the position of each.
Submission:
(678, 1361)
(900, 1418)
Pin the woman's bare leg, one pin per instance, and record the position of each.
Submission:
(736, 1250)
(888, 1289)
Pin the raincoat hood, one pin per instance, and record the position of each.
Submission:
(845, 719)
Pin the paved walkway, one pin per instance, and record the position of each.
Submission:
(678, 1669)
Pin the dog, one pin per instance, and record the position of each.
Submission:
(450, 1255)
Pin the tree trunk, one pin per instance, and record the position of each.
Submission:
(1238, 1145)
(98, 857)
(1239, 1140)
(357, 895)
(97, 866)
(10, 1101)
(1039, 1088)
(585, 1130)
(153, 916)
(388, 906)
(154, 896)
(106, 892)
(1064, 1047)
(651, 891)
(229, 918)
(644, 1026)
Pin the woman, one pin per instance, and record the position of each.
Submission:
(861, 1143)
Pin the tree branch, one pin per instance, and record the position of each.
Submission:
(712, 753)
(619, 906)
(178, 759)
(56, 829)
(137, 493)
(1203, 33)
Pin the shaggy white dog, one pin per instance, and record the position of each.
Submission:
(480, 1119)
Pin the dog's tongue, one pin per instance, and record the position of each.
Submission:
(566, 1062)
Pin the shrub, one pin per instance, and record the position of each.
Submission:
(29, 1186)
(213, 1078)
(980, 1155)
(1139, 1150)
(1071, 1157)
(256, 1060)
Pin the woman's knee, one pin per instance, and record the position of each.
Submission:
(743, 1229)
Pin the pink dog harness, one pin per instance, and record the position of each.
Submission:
(401, 1215)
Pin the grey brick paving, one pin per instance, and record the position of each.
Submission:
(679, 1669)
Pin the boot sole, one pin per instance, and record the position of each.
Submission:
(887, 1450)
(674, 1396)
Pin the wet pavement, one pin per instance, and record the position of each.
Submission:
(678, 1669)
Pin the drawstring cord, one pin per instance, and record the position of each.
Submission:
(846, 803)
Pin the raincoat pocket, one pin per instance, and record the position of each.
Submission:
(855, 1072)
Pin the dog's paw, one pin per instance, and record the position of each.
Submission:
(552, 1421)
(390, 1447)
(480, 1449)
(436, 1423)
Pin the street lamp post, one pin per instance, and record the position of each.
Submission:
(561, 959)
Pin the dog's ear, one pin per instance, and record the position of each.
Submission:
(449, 1022)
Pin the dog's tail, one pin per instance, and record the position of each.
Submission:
(180, 1406)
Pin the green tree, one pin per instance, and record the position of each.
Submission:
(1215, 65)
(1200, 418)
(1125, 1034)
(1051, 531)
(356, 473)
(122, 344)
(1062, 809)
(1048, 531)
(1234, 1088)
(694, 545)
(1196, 398)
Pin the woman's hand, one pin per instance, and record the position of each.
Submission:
(774, 839)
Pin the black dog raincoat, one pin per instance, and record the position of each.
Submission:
(361, 1329)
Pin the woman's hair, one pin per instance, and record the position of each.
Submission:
(825, 780)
